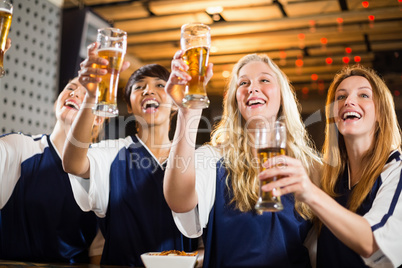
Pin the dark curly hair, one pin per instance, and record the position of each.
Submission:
(149, 70)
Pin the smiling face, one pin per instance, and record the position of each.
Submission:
(258, 93)
(69, 101)
(354, 108)
(149, 100)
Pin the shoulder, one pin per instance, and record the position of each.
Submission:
(209, 150)
(27, 142)
(393, 167)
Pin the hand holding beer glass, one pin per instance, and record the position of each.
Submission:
(270, 141)
(6, 14)
(196, 42)
(112, 46)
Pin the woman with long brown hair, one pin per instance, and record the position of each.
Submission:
(359, 207)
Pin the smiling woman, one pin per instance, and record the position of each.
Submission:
(215, 194)
(126, 175)
(359, 205)
(40, 220)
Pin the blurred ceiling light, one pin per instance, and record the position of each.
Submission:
(213, 49)
(214, 10)
(225, 74)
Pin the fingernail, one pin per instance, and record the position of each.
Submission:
(91, 46)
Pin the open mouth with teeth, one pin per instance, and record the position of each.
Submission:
(150, 105)
(351, 116)
(255, 102)
(71, 105)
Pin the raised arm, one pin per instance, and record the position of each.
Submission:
(75, 159)
(179, 181)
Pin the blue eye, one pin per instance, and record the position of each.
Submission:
(161, 85)
(340, 97)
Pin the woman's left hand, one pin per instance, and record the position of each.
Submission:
(293, 178)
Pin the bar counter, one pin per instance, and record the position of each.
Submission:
(7, 263)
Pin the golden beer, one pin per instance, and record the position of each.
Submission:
(107, 90)
(263, 155)
(195, 41)
(112, 46)
(197, 60)
(5, 23)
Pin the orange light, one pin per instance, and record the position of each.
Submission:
(282, 54)
(365, 4)
(305, 90)
(358, 59)
(348, 50)
(371, 17)
(324, 40)
(314, 77)
(328, 60)
(339, 20)
(301, 36)
(299, 63)
(312, 22)
(346, 60)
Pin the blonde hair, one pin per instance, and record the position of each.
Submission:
(231, 136)
(387, 137)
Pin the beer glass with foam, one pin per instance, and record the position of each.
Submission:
(6, 14)
(270, 141)
(195, 42)
(112, 46)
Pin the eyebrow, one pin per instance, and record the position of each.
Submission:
(363, 87)
(259, 74)
(73, 84)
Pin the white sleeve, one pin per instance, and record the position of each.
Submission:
(101, 157)
(14, 149)
(192, 222)
(385, 218)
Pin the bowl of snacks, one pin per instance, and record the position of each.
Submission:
(169, 259)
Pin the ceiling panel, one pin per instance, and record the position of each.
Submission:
(286, 30)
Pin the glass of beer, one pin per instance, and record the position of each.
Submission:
(270, 141)
(195, 42)
(112, 46)
(6, 14)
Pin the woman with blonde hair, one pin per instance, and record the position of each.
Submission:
(218, 188)
(359, 207)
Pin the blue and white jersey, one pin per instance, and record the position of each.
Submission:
(126, 192)
(40, 220)
(382, 208)
(241, 239)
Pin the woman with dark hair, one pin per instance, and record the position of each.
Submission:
(359, 205)
(126, 175)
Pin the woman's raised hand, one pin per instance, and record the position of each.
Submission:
(179, 77)
(91, 71)
(293, 178)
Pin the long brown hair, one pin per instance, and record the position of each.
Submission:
(387, 137)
